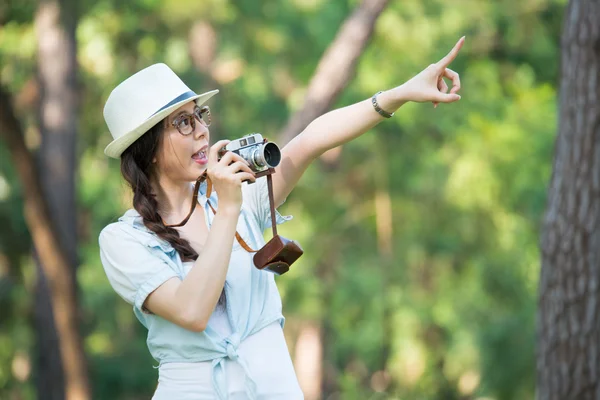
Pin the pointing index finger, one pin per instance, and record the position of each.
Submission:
(444, 62)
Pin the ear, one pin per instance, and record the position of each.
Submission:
(154, 160)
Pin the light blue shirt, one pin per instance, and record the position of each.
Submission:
(137, 262)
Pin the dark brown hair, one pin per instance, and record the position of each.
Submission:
(137, 169)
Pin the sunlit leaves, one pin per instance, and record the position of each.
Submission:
(452, 312)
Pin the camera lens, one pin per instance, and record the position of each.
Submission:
(264, 155)
(272, 154)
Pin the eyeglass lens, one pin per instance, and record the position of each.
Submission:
(186, 123)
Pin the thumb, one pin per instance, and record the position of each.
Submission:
(447, 97)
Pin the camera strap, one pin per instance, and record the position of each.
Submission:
(272, 205)
(200, 179)
(240, 240)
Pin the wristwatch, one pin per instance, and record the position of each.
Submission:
(381, 112)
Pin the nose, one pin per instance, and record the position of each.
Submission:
(200, 130)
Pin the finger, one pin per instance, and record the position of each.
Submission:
(237, 157)
(448, 73)
(227, 158)
(239, 166)
(447, 97)
(231, 157)
(213, 154)
(245, 176)
(444, 62)
(442, 87)
(242, 177)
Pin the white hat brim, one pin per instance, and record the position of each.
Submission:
(118, 146)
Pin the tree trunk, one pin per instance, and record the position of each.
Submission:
(57, 115)
(55, 23)
(49, 249)
(333, 73)
(202, 45)
(49, 371)
(336, 67)
(568, 324)
(57, 71)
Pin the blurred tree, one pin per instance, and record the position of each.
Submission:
(61, 369)
(49, 249)
(421, 240)
(568, 324)
(50, 210)
(334, 71)
(336, 67)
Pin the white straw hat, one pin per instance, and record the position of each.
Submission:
(141, 101)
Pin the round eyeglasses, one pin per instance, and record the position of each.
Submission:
(186, 123)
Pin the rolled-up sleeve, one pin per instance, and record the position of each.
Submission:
(130, 266)
(256, 200)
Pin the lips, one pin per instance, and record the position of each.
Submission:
(200, 156)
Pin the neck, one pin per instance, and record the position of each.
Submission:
(174, 199)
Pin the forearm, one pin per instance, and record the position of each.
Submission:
(328, 131)
(345, 124)
(199, 292)
(342, 125)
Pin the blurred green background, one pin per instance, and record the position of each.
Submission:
(421, 261)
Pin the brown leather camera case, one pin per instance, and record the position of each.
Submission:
(277, 255)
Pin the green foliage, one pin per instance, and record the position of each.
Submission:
(451, 313)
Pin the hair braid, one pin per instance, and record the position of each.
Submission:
(136, 167)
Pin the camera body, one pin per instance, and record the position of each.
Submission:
(259, 153)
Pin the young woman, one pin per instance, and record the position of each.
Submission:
(214, 320)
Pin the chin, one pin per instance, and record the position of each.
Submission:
(197, 170)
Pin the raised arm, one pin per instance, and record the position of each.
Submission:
(342, 125)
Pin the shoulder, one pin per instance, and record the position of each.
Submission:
(116, 235)
(114, 230)
(129, 227)
(130, 231)
(124, 226)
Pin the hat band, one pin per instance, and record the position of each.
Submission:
(181, 97)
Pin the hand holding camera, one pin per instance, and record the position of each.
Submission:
(258, 153)
(227, 174)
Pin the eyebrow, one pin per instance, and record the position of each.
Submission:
(178, 114)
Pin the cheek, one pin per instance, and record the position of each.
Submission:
(174, 154)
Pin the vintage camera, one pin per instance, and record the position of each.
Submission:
(263, 156)
(260, 154)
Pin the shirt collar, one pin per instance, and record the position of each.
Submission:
(133, 218)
